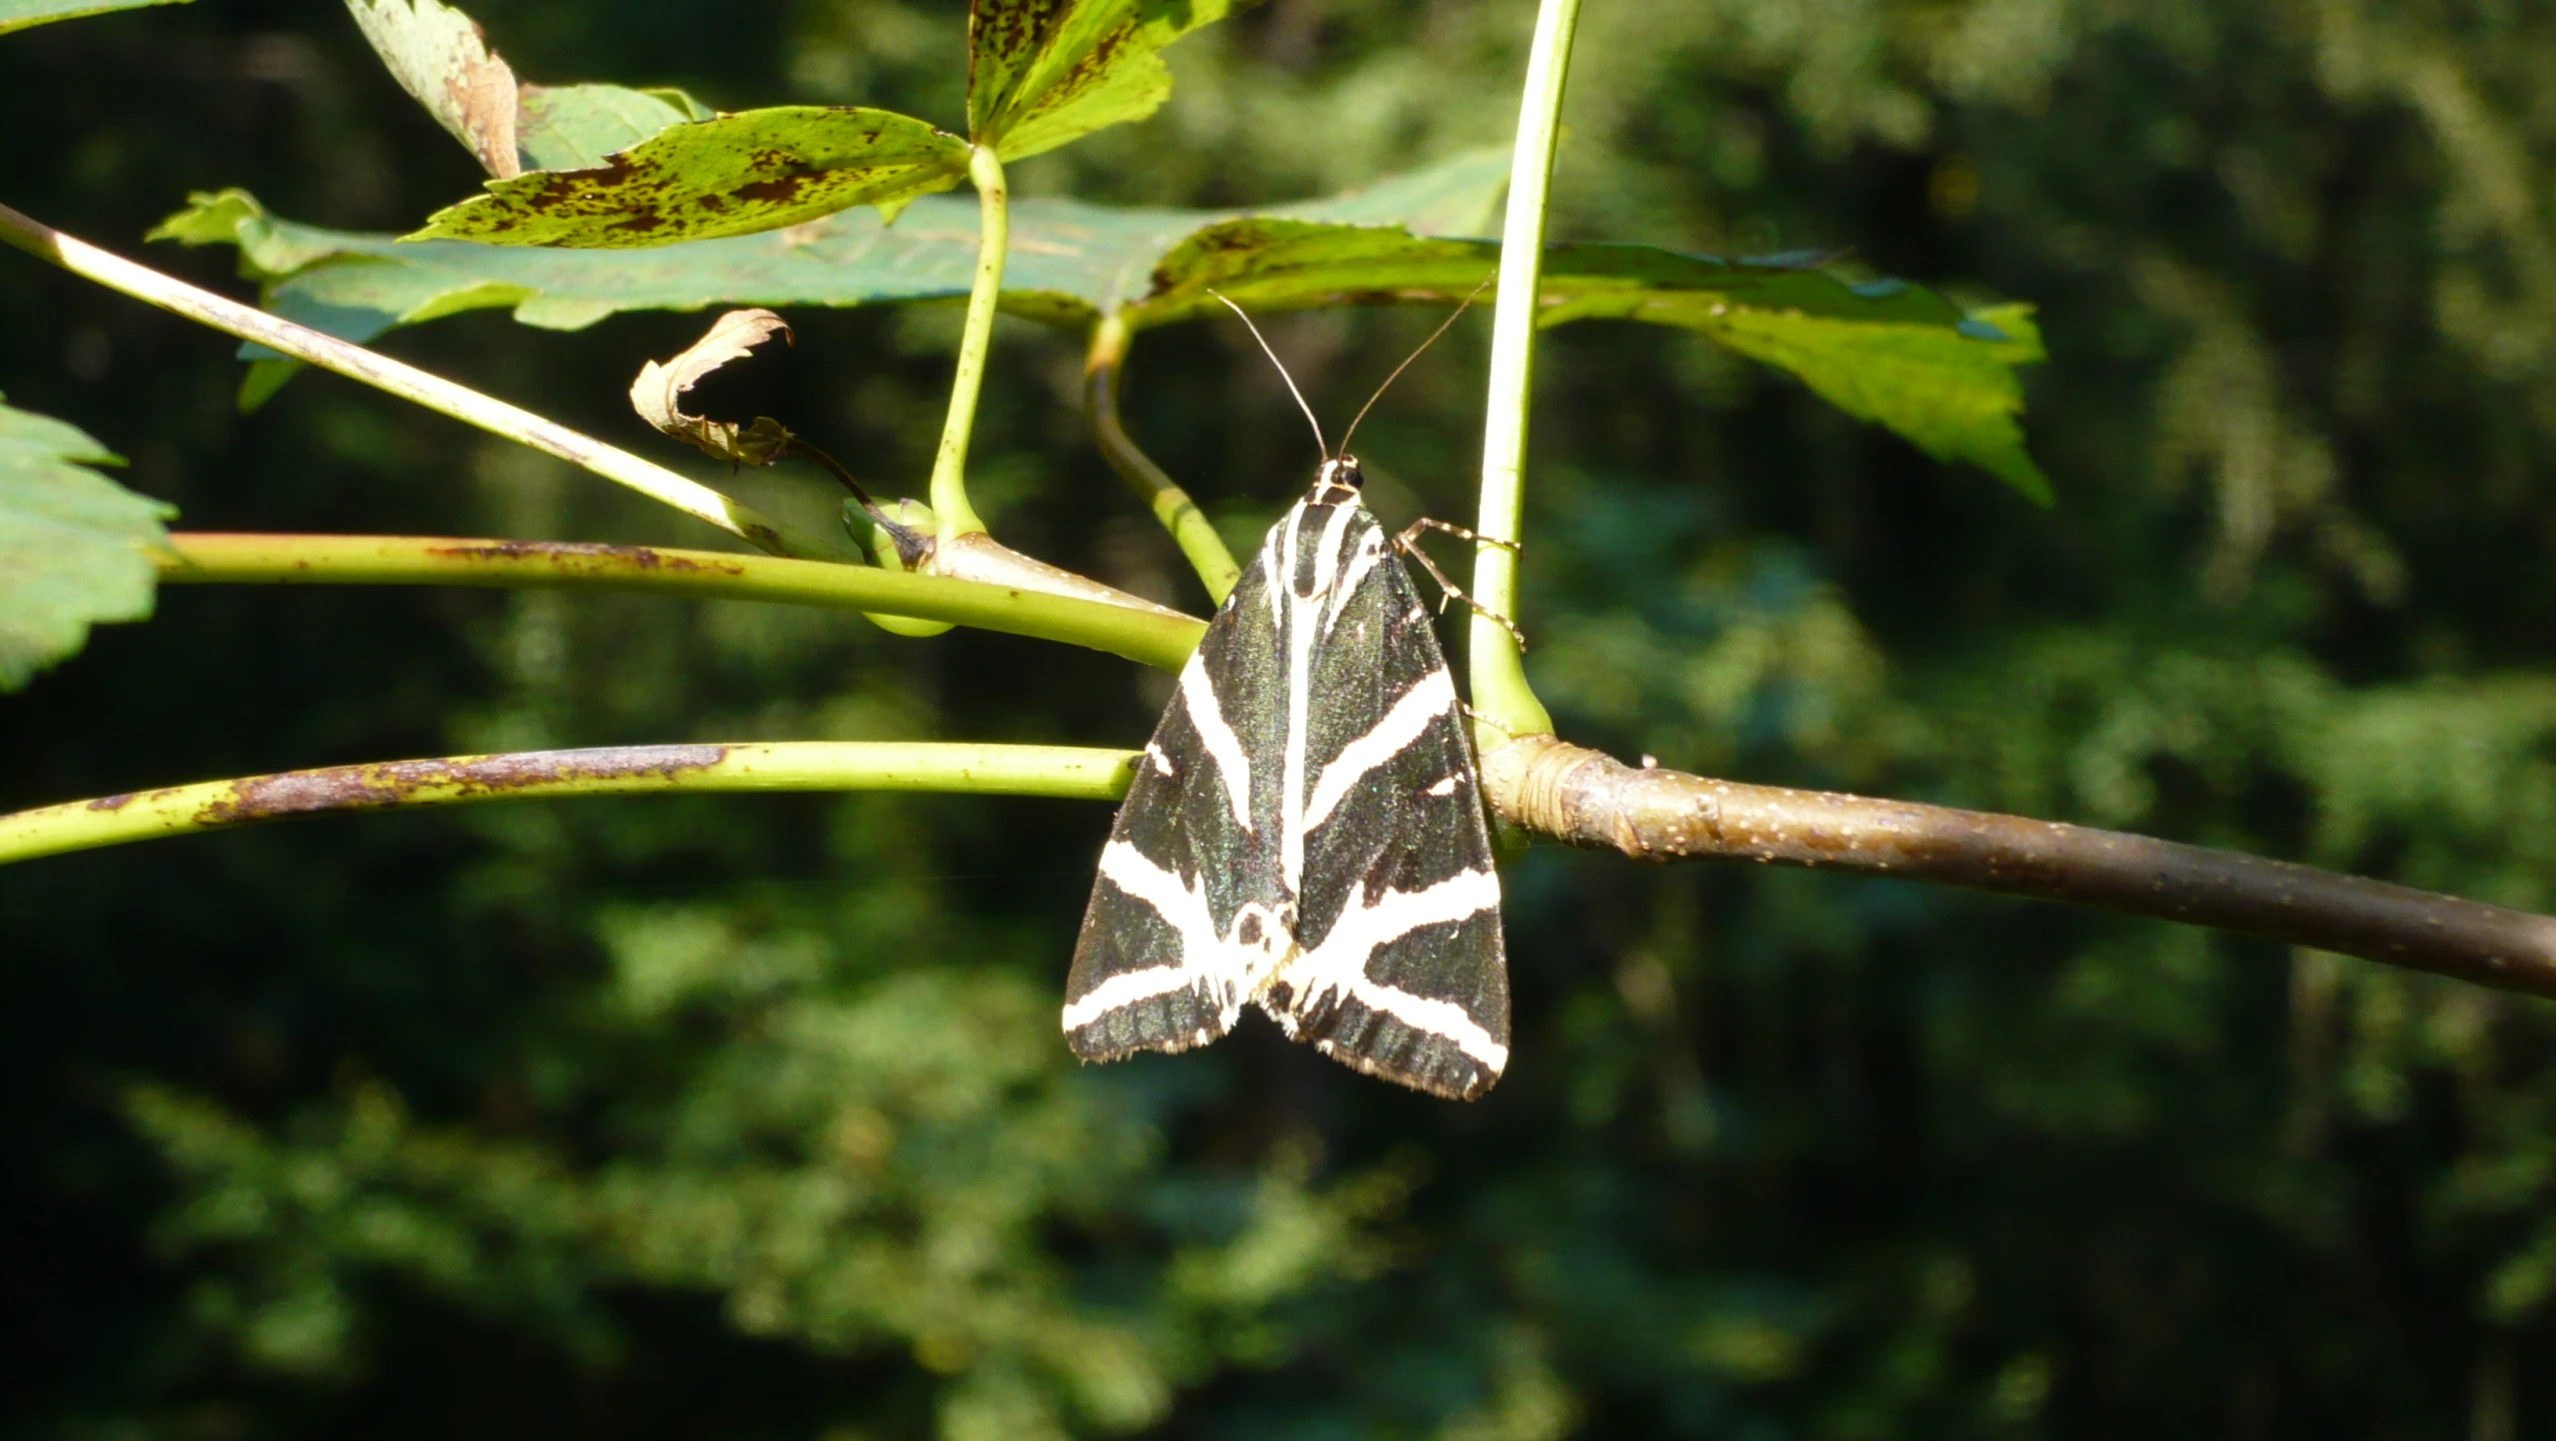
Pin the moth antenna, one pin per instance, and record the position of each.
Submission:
(1282, 373)
(1443, 327)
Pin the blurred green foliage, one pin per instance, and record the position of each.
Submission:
(745, 1117)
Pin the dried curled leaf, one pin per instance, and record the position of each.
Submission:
(657, 393)
(439, 55)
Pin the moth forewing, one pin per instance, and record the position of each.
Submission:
(1183, 915)
(1401, 970)
(1306, 830)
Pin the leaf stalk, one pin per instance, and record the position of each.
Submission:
(1505, 706)
(949, 467)
(1171, 505)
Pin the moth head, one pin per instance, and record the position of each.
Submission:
(1343, 472)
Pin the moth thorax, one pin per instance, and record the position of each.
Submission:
(1341, 474)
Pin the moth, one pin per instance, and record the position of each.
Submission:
(1305, 830)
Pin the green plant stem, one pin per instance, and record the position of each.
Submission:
(949, 468)
(1072, 772)
(1171, 505)
(197, 558)
(1503, 703)
(383, 373)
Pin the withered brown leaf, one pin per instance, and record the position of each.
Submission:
(657, 393)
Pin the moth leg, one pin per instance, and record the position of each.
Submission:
(1408, 544)
(1411, 534)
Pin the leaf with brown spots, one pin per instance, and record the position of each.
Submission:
(658, 392)
(733, 175)
(1884, 350)
(1071, 261)
(1042, 72)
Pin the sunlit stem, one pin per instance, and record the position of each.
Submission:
(383, 373)
(1504, 706)
(949, 467)
(1150, 637)
(1171, 505)
(1072, 772)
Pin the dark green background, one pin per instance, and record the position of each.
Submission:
(746, 1117)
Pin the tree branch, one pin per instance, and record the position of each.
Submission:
(1154, 638)
(383, 373)
(1072, 772)
(1573, 794)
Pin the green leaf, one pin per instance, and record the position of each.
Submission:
(440, 56)
(575, 127)
(1459, 195)
(1043, 72)
(268, 247)
(734, 175)
(22, 14)
(1952, 393)
(74, 545)
(565, 147)
(1884, 351)
(1070, 261)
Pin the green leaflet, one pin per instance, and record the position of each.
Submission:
(438, 55)
(73, 544)
(1070, 261)
(733, 175)
(1893, 353)
(268, 247)
(574, 127)
(1951, 392)
(1043, 72)
(602, 167)
(1287, 263)
(22, 14)
(1884, 351)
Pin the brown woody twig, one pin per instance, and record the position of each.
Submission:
(1567, 792)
